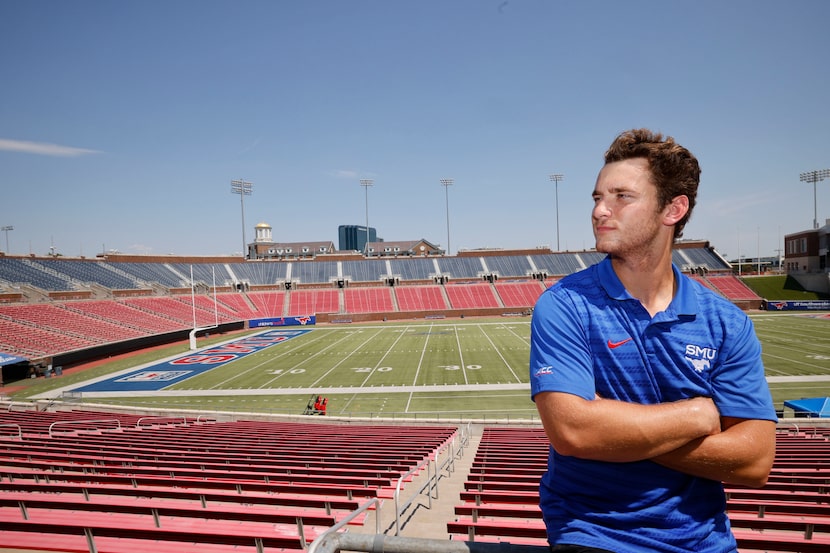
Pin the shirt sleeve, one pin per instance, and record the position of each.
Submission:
(739, 387)
(560, 357)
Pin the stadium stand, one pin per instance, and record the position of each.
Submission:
(315, 272)
(207, 273)
(121, 313)
(368, 300)
(153, 299)
(153, 272)
(32, 341)
(791, 513)
(244, 307)
(558, 263)
(69, 322)
(474, 295)
(88, 272)
(365, 270)
(520, 294)
(315, 300)
(204, 485)
(508, 266)
(420, 298)
(731, 287)
(178, 311)
(461, 267)
(414, 269)
(268, 304)
(24, 271)
(260, 273)
(706, 258)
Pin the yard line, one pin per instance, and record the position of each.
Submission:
(795, 361)
(506, 364)
(268, 360)
(420, 364)
(346, 336)
(388, 351)
(349, 356)
(461, 354)
(363, 384)
(525, 339)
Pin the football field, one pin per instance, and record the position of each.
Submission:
(441, 369)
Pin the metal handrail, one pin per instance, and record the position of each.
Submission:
(19, 429)
(398, 508)
(335, 542)
(322, 538)
(158, 417)
(117, 422)
(432, 478)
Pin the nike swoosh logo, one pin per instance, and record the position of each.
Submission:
(614, 345)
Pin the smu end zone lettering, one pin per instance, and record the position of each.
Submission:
(203, 359)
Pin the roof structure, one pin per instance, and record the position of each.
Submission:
(811, 407)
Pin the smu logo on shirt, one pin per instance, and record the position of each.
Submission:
(701, 358)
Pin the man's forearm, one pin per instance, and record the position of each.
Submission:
(742, 454)
(616, 431)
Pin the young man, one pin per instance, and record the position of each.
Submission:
(650, 387)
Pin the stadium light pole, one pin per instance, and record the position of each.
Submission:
(366, 183)
(815, 177)
(242, 188)
(555, 178)
(6, 229)
(446, 183)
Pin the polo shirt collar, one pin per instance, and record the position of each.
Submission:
(684, 302)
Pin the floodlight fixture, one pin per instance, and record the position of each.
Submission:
(446, 183)
(366, 184)
(243, 188)
(555, 178)
(815, 177)
(6, 229)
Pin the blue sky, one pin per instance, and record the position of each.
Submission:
(123, 123)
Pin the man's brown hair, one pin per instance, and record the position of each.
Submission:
(674, 170)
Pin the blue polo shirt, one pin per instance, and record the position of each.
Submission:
(589, 336)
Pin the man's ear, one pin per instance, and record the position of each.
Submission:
(676, 210)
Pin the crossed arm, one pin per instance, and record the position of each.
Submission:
(688, 436)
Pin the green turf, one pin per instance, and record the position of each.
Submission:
(781, 287)
(444, 370)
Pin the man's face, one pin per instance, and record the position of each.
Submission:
(625, 217)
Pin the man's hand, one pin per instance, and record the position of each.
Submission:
(742, 454)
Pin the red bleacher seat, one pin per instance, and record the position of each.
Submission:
(420, 298)
(471, 295)
(373, 299)
(519, 293)
(167, 483)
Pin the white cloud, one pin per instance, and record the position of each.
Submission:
(140, 249)
(344, 174)
(43, 148)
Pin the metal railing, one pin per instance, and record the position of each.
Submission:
(335, 542)
(82, 422)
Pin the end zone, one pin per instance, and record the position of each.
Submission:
(159, 375)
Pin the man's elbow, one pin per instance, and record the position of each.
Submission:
(567, 444)
(750, 481)
(753, 476)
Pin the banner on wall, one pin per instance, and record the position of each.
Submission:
(799, 305)
(283, 321)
